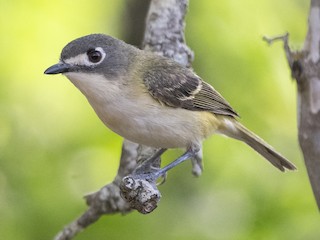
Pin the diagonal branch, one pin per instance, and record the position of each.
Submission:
(107, 200)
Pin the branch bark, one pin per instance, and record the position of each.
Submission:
(305, 68)
(164, 35)
(309, 99)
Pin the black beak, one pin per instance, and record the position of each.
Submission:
(58, 68)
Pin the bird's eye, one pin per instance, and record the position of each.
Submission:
(94, 56)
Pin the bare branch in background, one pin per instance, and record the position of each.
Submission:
(305, 68)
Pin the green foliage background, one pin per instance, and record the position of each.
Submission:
(54, 150)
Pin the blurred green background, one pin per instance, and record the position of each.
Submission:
(54, 150)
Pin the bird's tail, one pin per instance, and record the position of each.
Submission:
(240, 132)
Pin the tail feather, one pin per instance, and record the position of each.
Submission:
(240, 132)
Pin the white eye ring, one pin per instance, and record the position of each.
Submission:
(83, 58)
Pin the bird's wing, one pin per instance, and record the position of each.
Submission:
(176, 86)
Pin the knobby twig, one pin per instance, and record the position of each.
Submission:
(164, 35)
(305, 69)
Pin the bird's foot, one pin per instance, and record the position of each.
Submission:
(140, 188)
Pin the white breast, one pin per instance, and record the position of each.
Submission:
(136, 116)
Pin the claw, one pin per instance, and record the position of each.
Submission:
(163, 179)
(152, 174)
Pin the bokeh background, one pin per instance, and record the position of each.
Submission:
(54, 150)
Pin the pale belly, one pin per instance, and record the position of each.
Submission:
(132, 113)
(157, 126)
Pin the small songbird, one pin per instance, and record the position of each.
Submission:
(152, 100)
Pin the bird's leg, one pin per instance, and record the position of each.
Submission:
(148, 164)
(152, 174)
(140, 188)
(192, 152)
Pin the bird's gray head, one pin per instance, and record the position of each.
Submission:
(95, 54)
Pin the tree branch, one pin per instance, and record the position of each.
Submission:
(305, 68)
(107, 200)
(164, 35)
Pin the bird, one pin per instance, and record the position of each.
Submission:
(153, 100)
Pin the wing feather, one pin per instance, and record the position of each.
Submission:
(176, 86)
